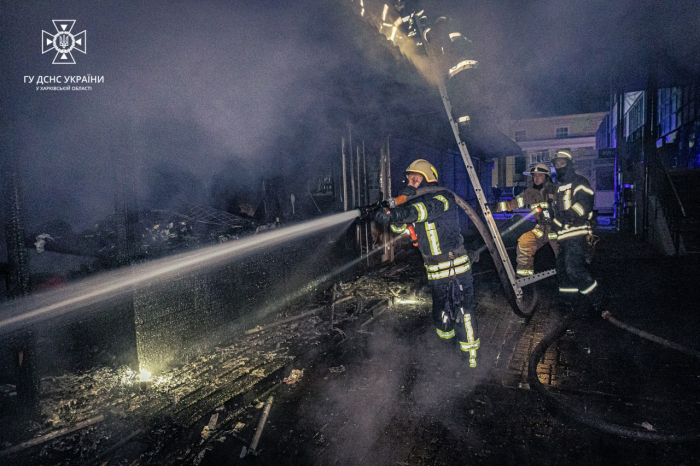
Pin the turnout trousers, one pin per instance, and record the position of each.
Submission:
(528, 244)
(453, 312)
(572, 273)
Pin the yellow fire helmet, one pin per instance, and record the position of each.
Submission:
(540, 168)
(423, 167)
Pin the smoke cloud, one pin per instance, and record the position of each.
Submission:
(270, 88)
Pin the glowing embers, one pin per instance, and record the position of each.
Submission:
(145, 376)
(142, 379)
(407, 301)
(463, 65)
(145, 380)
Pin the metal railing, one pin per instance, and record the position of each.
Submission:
(669, 200)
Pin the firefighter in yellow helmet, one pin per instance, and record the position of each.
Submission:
(538, 196)
(573, 213)
(435, 217)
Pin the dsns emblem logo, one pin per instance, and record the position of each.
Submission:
(63, 42)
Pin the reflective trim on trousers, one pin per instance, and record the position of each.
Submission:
(445, 335)
(568, 290)
(473, 346)
(472, 343)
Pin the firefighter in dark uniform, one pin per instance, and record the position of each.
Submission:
(573, 213)
(538, 196)
(436, 222)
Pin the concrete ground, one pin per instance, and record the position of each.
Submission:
(397, 395)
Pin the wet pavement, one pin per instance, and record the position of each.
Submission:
(386, 391)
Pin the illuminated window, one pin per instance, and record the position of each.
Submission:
(562, 132)
(541, 156)
(520, 136)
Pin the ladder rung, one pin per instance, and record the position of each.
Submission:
(534, 278)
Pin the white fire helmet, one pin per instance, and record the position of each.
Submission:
(541, 168)
(564, 154)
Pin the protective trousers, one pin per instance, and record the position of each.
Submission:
(453, 313)
(528, 244)
(573, 276)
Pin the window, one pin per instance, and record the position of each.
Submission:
(519, 168)
(562, 133)
(635, 116)
(520, 136)
(541, 156)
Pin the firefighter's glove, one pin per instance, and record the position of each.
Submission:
(385, 216)
(545, 216)
(368, 211)
(408, 191)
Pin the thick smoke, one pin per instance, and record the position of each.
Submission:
(190, 92)
(271, 87)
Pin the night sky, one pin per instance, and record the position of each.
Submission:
(197, 94)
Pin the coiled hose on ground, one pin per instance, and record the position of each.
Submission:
(571, 412)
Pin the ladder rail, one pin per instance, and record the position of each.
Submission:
(500, 249)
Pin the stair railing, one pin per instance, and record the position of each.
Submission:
(668, 199)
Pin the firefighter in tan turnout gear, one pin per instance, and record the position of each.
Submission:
(434, 216)
(539, 196)
(573, 213)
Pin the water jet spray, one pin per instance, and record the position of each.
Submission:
(119, 283)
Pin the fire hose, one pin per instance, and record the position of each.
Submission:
(559, 406)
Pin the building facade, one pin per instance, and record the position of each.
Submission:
(541, 138)
(656, 135)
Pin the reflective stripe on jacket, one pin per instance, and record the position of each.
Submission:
(533, 198)
(436, 219)
(573, 207)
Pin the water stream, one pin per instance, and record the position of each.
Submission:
(116, 284)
